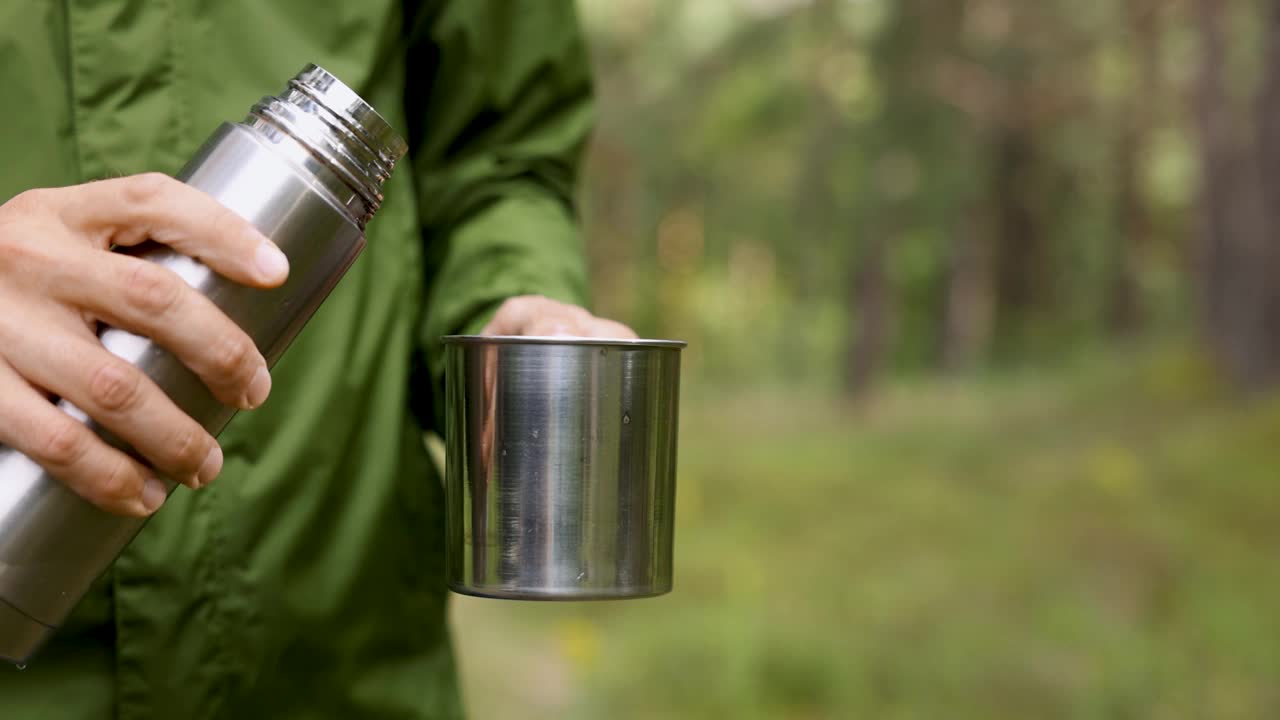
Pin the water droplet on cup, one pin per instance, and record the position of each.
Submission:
(626, 418)
(21, 666)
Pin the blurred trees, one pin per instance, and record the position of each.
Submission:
(1239, 138)
(823, 191)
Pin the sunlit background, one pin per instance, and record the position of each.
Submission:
(983, 303)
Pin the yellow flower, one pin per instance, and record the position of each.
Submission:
(579, 641)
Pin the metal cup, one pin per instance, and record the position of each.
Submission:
(560, 471)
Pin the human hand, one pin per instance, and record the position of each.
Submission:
(537, 315)
(58, 278)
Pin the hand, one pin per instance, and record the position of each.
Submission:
(58, 278)
(536, 315)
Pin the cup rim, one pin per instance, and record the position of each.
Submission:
(565, 340)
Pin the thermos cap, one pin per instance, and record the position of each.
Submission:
(339, 129)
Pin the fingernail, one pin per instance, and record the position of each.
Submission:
(211, 466)
(154, 492)
(259, 388)
(272, 264)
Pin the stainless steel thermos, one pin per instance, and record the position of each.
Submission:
(306, 167)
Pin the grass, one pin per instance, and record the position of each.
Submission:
(1096, 544)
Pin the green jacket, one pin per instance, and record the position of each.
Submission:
(307, 581)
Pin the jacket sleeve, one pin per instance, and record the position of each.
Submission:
(499, 105)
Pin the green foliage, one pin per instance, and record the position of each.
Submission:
(803, 130)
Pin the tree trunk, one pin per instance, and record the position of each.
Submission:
(1020, 272)
(1214, 130)
(1268, 155)
(1232, 255)
(966, 311)
(1124, 311)
(870, 320)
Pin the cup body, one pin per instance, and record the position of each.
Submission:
(560, 472)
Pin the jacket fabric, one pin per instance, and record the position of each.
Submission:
(307, 582)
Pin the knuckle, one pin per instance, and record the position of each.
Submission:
(27, 202)
(61, 442)
(227, 224)
(516, 305)
(22, 256)
(146, 188)
(115, 386)
(233, 356)
(188, 450)
(118, 484)
(505, 314)
(152, 289)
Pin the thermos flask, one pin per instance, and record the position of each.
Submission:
(306, 167)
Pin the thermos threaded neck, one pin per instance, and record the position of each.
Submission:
(343, 131)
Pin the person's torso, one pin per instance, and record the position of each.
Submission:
(306, 581)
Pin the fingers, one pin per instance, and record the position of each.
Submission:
(55, 278)
(71, 452)
(605, 328)
(69, 362)
(129, 210)
(513, 316)
(150, 300)
(539, 316)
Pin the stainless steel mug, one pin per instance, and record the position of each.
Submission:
(560, 469)
(306, 168)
